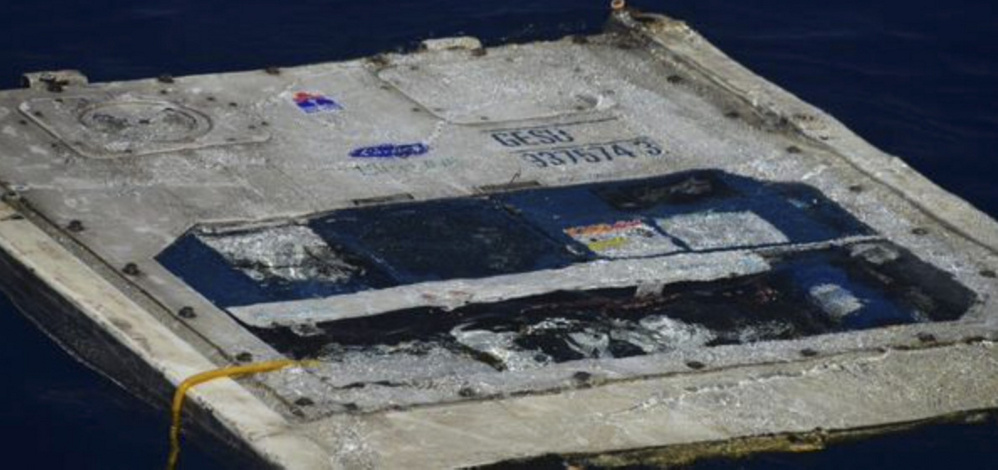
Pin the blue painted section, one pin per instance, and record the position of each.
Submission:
(447, 239)
(816, 270)
(209, 273)
(800, 212)
(476, 237)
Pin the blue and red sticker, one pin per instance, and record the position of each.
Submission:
(312, 103)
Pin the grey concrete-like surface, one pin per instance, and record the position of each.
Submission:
(116, 172)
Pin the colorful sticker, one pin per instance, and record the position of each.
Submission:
(391, 151)
(312, 103)
(622, 239)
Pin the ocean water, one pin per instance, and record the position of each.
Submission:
(916, 78)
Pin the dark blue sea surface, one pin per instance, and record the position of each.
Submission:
(919, 79)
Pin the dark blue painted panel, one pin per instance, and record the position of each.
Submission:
(510, 233)
(446, 239)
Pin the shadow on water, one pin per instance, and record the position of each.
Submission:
(915, 77)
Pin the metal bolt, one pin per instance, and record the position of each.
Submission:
(857, 188)
(272, 70)
(732, 115)
(467, 392)
(164, 92)
(37, 114)
(920, 231)
(582, 377)
(165, 78)
(351, 406)
(304, 401)
(580, 39)
(808, 352)
(695, 365)
(674, 79)
(793, 149)
(244, 357)
(187, 312)
(75, 226)
(233, 104)
(131, 269)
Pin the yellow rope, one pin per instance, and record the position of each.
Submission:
(230, 372)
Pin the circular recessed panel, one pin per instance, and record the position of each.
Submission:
(145, 121)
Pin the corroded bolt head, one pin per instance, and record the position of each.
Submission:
(187, 312)
(75, 226)
(244, 357)
(582, 376)
(808, 352)
(131, 269)
(165, 78)
(304, 401)
(695, 365)
(272, 70)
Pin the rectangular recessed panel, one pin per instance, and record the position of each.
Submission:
(500, 86)
(859, 286)
(414, 243)
(112, 126)
(451, 239)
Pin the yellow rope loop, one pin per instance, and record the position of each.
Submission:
(226, 372)
(617, 5)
